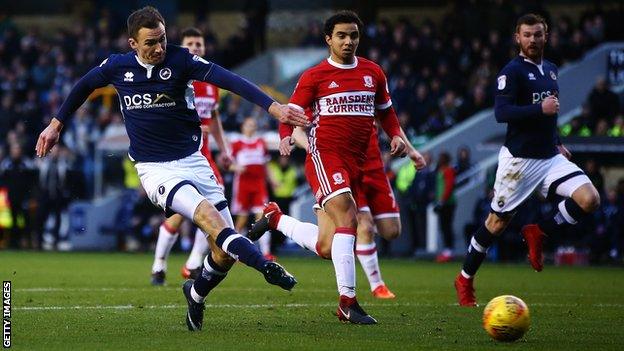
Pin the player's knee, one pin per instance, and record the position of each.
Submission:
(324, 251)
(365, 231)
(589, 201)
(392, 231)
(496, 224)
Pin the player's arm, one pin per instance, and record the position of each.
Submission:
(286, 144)
(95, 78)
(216, 129)
(387, 116)
(505, 108)
(200, 69)
(390, 124)
(412, 153)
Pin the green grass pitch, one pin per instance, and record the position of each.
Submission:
(103, 301)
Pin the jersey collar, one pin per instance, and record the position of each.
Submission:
(341, 66)
(540, 67)
(147, 66)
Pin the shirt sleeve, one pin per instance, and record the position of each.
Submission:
(97, 77)
(505, 106)
(382, 95)
(200, 69)
(304, 93)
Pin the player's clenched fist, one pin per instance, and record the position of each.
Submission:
(550, 105)
(289, 115)
(397, 147)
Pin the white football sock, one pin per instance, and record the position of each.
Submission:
(164, 244)
(265, 243)
(303, 233)
(344, 263)
(199, 251)
(367, 255)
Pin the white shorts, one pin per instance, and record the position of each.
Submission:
(162, 179)
(517, 178)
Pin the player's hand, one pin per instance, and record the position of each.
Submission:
(550, 105)
(286, 146)
(397, 147)
(48, 137)
(417, 158)
(564, 151)
(289, 115)
(225, 159)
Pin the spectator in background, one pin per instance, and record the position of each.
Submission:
(592, 170)
(445, 204)
(283, 180)
(463, 160)
(421, 193)
(17, 173)
(56, 178)
(618, 127)
(603, 103)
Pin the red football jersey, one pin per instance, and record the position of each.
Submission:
(253, 155)
(206, 100)
(373, 153)
(343, 99)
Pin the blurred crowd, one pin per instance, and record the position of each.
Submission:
(439, 72)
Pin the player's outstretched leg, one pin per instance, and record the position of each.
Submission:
(303, 233)
(216, 220)
(584, 201)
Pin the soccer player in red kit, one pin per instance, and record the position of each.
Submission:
(206, 104)
(344, 93)
(249, 190)
(378, 211)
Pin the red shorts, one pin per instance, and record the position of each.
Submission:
(248, 197)
(376, 195)
(330, 174)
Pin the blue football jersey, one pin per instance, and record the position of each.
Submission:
(521, 87)
(157, 101)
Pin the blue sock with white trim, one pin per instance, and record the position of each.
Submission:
(477, 250)
(241, 248)
(568, 213)
(212, 274)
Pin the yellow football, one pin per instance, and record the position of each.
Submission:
(506, 318)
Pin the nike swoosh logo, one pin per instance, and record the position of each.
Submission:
(346, 314)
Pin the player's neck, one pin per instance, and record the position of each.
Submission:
(536, 61)
(341, 63)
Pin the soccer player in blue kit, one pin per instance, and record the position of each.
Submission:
(154, 85)
(532, 157)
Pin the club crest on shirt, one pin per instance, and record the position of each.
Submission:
(502, 82)
(164, 73)
(553, 75)
(368, 81)
(338, 179)
(161, 190)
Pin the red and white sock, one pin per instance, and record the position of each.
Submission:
(367, 255)
(199, 251)
(166, 238)
(343, 260)
(303, 233)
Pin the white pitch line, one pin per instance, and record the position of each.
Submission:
(290, 305)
